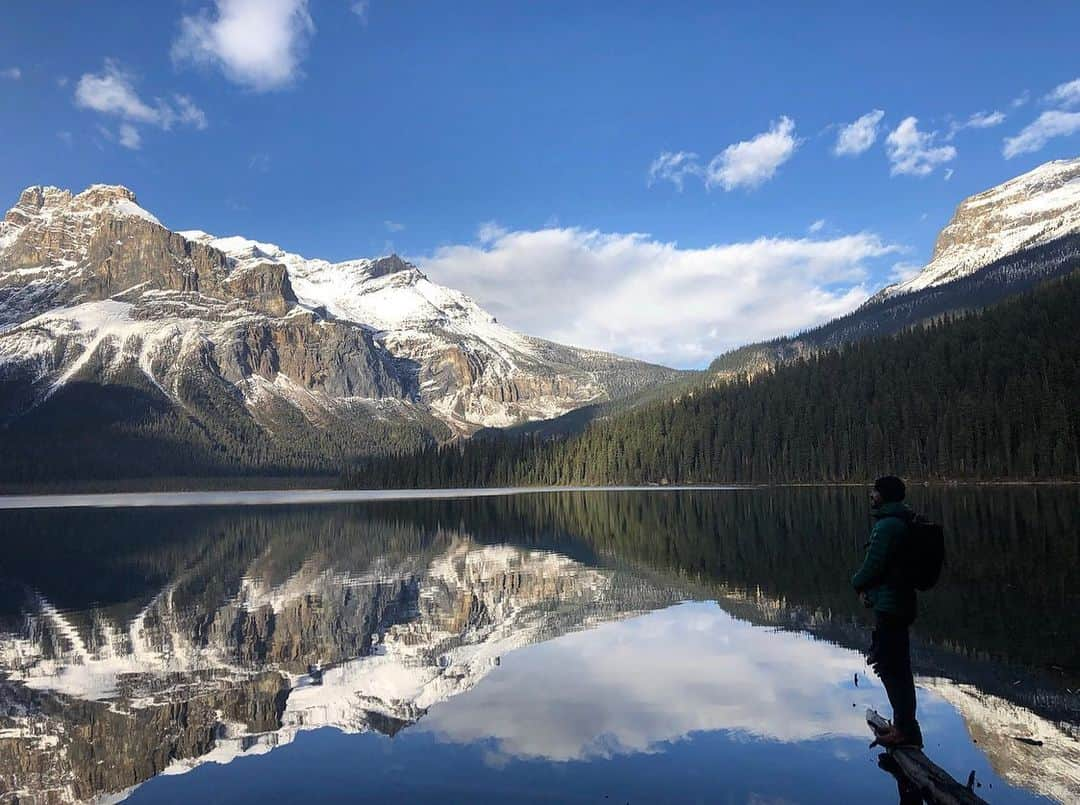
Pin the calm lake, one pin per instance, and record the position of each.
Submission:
(601, 646)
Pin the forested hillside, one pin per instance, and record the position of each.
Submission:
(990, 395)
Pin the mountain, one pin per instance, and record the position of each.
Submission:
(986, 396)
(188, 353)
(999, 242)
(1031, 210)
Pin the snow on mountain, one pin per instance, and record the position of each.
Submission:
(1035, 208)
(93, 287)
(471, 370)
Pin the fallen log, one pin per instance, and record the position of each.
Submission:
(933, 782)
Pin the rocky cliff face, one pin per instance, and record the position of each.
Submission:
(94, 289)
(460, 362)
(1035, 208)
(1000, 242)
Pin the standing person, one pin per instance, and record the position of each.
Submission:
(882, 586)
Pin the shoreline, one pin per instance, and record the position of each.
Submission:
(328, 495)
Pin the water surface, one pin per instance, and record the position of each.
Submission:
(623, 646)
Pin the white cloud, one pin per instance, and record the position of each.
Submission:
(128, 136)
(912, 152)
(903, 271)
(489, 232)
(817, 226)
(1048, 125)
(393, 226)
(948, 174)
(112, 92)
(256, 43)
(1020, 99)
(674, 167)
(985, 120)
(13, 73)
(753, 162)
(857, 137)
(1065, 95)
(749, 163)
(360, 9)
(688, 305)
(188, 113)
(979, 120)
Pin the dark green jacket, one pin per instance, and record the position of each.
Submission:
(879, 576)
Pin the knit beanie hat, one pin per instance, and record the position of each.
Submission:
(892, 489)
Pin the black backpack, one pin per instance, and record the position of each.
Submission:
(924, 552)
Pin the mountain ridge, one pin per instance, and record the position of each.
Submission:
(999, 242)
(95, 290)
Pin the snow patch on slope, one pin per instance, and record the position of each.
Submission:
(1035, 208)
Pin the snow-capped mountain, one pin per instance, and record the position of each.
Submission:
(1000, 242)
(1035, 208)
(95, 291)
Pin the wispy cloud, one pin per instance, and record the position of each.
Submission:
(11, 73)
(1047, 126)
(912, 152)
(858, 136)
(258, 44)
(979, 120)
(393, 226)
(749, 163)
(903, 271)
(360, 9)
(581, 284)
(112, 92)
(674, 167)
(259, 162)
(1066, 95)
(817, 226)
(128, 136)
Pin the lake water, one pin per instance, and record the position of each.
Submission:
(614, 646)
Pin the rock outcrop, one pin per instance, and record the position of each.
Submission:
(95, 290)
(1035, 208)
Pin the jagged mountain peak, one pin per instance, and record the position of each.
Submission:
(47, 200)
(1033, 208)
(244, 251)
(369, 334)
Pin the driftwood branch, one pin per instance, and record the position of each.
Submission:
(933, 782)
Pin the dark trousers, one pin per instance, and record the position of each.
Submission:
(890, 657)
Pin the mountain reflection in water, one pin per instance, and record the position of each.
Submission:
(520, 647)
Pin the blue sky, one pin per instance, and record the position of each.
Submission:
(508, 146)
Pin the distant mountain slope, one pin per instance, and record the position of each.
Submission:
(990, 395)
(232, 353)
(885, 315)
(999, 242)
(1035, 208)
